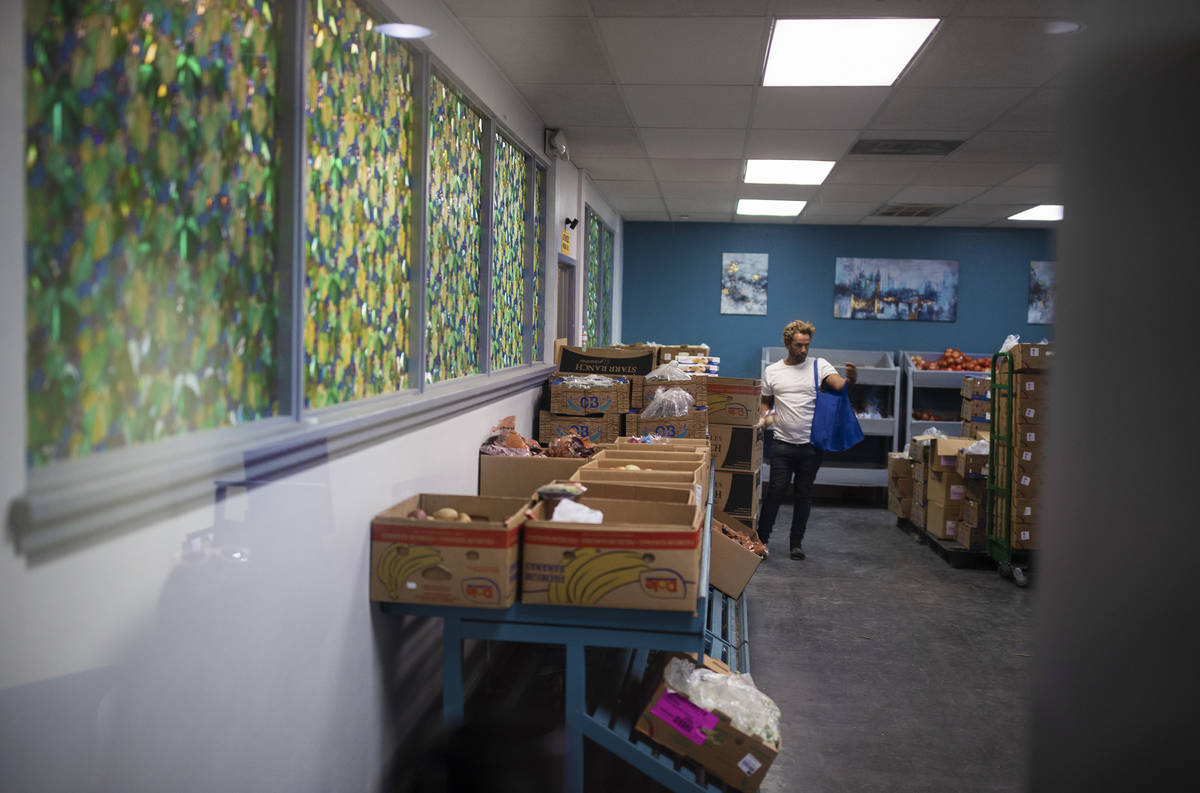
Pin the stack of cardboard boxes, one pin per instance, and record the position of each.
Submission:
(976, 404)
(596, 414)
(972, 525)
(938, 490)
(1031, 364)
(737, 447)
(900, 484)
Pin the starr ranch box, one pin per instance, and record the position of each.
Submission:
(643, 555)
(447, 563)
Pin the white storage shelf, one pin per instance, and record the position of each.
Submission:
(923, 378)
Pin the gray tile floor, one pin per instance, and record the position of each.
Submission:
(894, 671)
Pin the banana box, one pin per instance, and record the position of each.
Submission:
(734, 400)
(630, 491)
(600, 469)
(642, 555)
(650, 454)
(447, 561)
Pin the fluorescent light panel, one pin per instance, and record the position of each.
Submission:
(843, 51)
(787, 171)
(761, 206)
(1040, 212)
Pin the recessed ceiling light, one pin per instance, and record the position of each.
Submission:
(843, 51)
(1040, 212)
(761, 206)
(401, 30)
(787, 171)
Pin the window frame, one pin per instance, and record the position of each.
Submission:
(69, 502)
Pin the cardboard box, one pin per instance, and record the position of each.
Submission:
(1031, 386)
(976, 489)
(941, 520)
(974, 512)
(627, 442)
(1026, 484)
(644, 555)
(447, 563)
(1026, 510)
(1032, 357)
(708, 737)
(669, 492)
(976, 410)
(697, 387)
(920, 448)
(945, 487)
(920, 472)
(970, 465)
(900, 465)
(668, 352)
(606, 360)
(977, 386)
(1028, 457)
(568, 401)
(736, 448)
(917, 515)
(518, 477)
(1024, 536)
(918, 492)
(736, 493)
(731, 564)
(597, 429)
(1025, 413)
(734, 400)
(693, 425)
(692, 474)
(943, 452)
(650, 454)
(902, 488)
(901, 507)
(971, 537)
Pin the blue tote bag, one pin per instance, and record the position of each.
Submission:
(835, 427)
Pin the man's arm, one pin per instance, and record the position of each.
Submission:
(837, 382)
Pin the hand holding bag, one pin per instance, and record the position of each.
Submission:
(835, 428)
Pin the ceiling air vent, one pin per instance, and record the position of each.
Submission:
(907, 147)
(910, 210)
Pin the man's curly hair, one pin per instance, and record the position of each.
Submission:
(797, 326)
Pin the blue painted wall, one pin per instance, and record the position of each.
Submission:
(672, 285)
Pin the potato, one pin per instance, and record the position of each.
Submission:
(418, 514)
(446, 513)
(464, 517)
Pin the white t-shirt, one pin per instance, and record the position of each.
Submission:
(795, 396)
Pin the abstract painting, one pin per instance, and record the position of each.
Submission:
(1041, 293)
(744, 283)
(911, 289)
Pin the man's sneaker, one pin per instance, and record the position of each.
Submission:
(797, 553)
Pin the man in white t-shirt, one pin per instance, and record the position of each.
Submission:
(789, 388)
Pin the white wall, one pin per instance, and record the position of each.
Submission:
(268, 675)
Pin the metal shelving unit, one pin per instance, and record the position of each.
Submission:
(875, 368)
(918, 378)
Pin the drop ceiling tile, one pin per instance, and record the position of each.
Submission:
(588, 142)
(677, 8)
(1041, 175)
(631, 204)
(969, 109)
(614, 167)
(877, 170)
(693, 143)
(711, 106)
(694, 205)
(783, 192)
(577, 105)
(823, 208)
(936, 195)
(704, 217)
(518, 8)
(785, 144)
(816, 108)
(878, 220)
(682, 170)
(967, 174)
(699, 190)
(852, 9)
(626, 188)
(988, 212)
(997, 146)
(646, 217)
(1021, 195)
(988, 52)
(695, 51)
(1038, 113)
(942, 220)
(542, 50)
(828, 220)
(1051, 9)
(857, 192)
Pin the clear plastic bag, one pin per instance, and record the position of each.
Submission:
(668, 403)
(574, 512)
(587, 381)
(980, 446)
(1011, 341)
(668, 371)
(750, 710)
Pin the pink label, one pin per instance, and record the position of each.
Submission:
(688, 719)
(951, 528)
(956, 492)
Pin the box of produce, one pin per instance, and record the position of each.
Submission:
(1032, 357)
(582, 395)
(735, 554)
(954, 360)
(596, 429)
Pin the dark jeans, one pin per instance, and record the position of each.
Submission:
(789, 460)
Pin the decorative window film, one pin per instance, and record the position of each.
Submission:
(150, 197)
(509, 202)
(593, 304)
(606, 285)
(539, 262)
(452, 309)
(358, 208)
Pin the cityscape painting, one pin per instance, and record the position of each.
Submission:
(744, 283)
(1041, 293)
(912, 289)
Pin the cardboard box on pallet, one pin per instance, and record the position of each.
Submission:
(975, 512)
(697, 387)
(447, 563)
(597, 429)
(976, 410)
(518, 477)
(709, 738)
(643, 555)
(918, 492)
(736, 448)
(902, 488)
(900, 506)
(1026, 484)
(568, 401)
(736, 493)
(900, 465)
(731, 564)
(734, 400)
(917, 515)
(1026, 510)
(944, 487)
(1032, 357)
(919, 472)
(693, 425)
(943, 452)
(1030, 387)
(977, 386)
(971, 537)
(970, 465)
(941, 520)
(1025, 412)
(1024, 536)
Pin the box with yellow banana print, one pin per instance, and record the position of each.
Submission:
(642, 555)
(423, 550)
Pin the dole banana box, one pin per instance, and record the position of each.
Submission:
(601, 469)
(734, 400)
(447, 562)
(642, 555)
